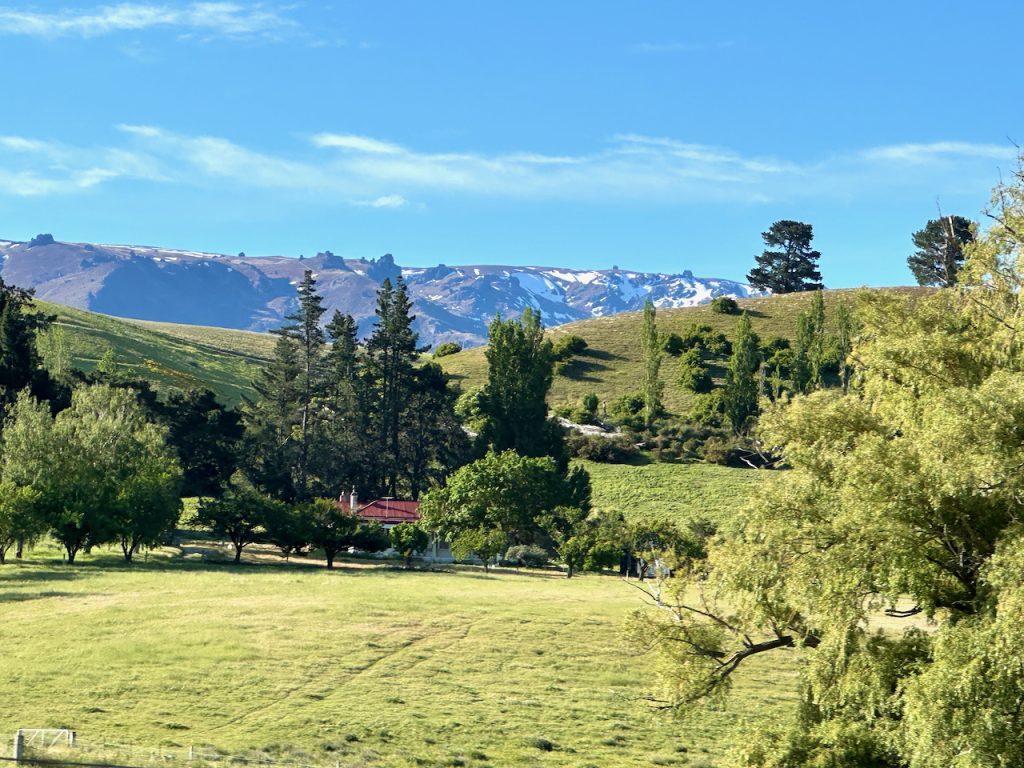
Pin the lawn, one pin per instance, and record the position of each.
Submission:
(367, 666)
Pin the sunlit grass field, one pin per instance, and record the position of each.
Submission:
(170, 355)
(361, 666)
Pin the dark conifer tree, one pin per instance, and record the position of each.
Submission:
(390, 355)
(792, 268)
(940, 250)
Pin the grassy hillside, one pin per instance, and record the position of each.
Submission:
(358, 667)
(685, 492)
(612, 366)
(182, 356)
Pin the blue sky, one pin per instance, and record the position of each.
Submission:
(656, 136)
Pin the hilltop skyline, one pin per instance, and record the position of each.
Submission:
(662, 138)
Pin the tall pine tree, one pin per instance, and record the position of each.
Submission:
(390, 356)
(791, 268)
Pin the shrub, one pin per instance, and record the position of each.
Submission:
(608, 450)
(673, 345)
(528, 555)
(568, 347)
(590, 403)
(44, 239)
(628, 410)
(447, 348)
(693, 373)
(725, 305)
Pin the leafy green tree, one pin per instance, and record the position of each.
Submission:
(331, 528)
(809, 347)
(287, 527)
(20, 520)
(102, 471)
(652, 386)
(792, 268)
(371, 537)
(501, 499)
(240, 515)
(740, 393)
(904, 497)
(514, 400)
(940, 250)
(409, 539)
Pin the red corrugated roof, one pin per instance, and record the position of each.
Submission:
(387, 511)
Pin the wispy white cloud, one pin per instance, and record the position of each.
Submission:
(209, 19)
(345, 168)
(385, 201)
(356, 143)
(929, 153)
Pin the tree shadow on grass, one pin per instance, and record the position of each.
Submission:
(24, 597)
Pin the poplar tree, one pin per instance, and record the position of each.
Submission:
(652, 351)
(741, 387)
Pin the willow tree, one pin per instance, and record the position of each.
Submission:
(904, 499)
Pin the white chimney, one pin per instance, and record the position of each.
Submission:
(353, 501)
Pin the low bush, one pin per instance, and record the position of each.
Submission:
(609, 450)
(447, 348)
(725, 305)
(527, 555)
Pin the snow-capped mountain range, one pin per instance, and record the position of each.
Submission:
(255, 293)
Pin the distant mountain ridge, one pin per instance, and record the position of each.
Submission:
(255, 293)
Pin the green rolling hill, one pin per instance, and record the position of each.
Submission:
(171, 355)
(612, 366)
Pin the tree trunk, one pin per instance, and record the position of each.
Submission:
(238, 553)
(568, 570)
(20, 550)
(127, 550)
(330, 560)
(72, 551)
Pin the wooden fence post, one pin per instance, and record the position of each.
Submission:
(19, 744)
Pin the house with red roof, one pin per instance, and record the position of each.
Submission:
(389, 513)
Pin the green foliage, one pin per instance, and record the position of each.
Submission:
(331, 528)
(617, 449)
(528, 555)
(568, 347)
(240, 515)
(590, 403)
(725, 305)
(694, 375)
(904, 497)
(652, 386)
(101, 471)
(740, 394)
(940, 250)
(672, 345)
(514, 401)
(447, 348)
(793, 268)
(207, 438)
(408, 539)
(20, 518)
(499, 500)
